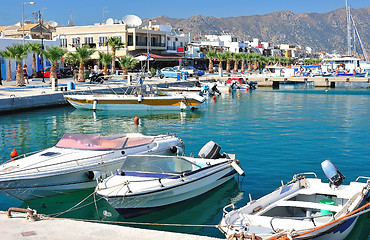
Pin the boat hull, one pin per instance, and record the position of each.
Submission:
(73, 175)
(131, 206)
(136, 103)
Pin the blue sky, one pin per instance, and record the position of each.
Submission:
(85, 12)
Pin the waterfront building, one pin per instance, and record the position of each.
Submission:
(136, 39)
(10, 35)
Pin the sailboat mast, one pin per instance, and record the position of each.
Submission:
(349, 48)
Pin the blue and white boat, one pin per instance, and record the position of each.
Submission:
(304, 208)
(149, 183)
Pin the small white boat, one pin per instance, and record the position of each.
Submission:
(304, 208)
(75, 163)
(149, 183)
(180, 101)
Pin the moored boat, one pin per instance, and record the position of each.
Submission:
(75, 163)
(183, 101)
(149, 183)
(304, 208)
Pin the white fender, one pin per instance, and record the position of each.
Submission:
(237, 168)
(139, 98)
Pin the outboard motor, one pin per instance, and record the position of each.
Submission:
(332, 173)
(211, 150)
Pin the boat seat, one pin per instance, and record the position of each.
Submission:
(312, 205)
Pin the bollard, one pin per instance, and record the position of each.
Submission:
(54, 87)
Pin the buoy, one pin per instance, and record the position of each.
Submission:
(136, 120)
(13, 154)
(229, 89)
(247, 88)
(214, 98)
(326, 90)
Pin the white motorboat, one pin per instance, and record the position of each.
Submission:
(304, 208)
(180, 101)
(75, 163)
(149, 183)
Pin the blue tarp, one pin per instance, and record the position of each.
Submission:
(313, 66)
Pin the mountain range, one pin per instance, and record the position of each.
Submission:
(320, 31)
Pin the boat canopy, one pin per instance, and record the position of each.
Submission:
(97, 142)
(157, 164)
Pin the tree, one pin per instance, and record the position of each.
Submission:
(236, 57)
(211, 54)
(127, 62)
(18, 52)
(221, 57)
(264, 61)
(243, 57)
(228, 57)
(105, 59)
(82, 54)
(114, 43)
(35, 48)
(54, 54)
(255, 57)
(249, 58)
(8, 55)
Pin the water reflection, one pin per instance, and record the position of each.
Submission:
(205, 209)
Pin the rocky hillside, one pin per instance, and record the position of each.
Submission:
(322, 32)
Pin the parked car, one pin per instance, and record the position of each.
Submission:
(192, 71)
(47, 72)
(171, 72)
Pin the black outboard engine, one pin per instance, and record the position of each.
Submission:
(332, 173)
(96, 77)
(211, 151)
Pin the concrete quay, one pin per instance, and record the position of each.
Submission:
(17, 227)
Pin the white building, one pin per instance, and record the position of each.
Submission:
(4, 42)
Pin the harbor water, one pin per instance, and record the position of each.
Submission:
(274, 134)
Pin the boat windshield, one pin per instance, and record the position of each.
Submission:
(157, 164)
(97, 142)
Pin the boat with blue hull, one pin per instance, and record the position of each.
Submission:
(149, 183)
(304, 208)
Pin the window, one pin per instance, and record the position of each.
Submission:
(103, 40)
(76, 42)
(63, 42)
(88, 40)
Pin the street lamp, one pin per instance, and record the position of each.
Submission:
(31, 3)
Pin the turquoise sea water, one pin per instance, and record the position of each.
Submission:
(274, 133)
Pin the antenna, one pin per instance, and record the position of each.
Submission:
(104, 11)
(132, 20)
(52, 24)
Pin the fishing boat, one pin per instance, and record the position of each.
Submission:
(149, 183)
(152, 101)
(304, 208)
(75, 163)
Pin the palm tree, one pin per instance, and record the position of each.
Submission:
(35, 48)
(236, 57)
(82, 54)
(114, 43)
(264, 61)
(18, 52)
(249, 58)
(221, 56)
(127, 62)
(8, 55)
(105, 59)
(211, 54)
(255, 57)
(228, 57)
(54, 54)
(243, 57)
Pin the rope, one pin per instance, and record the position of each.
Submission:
(138, 223)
